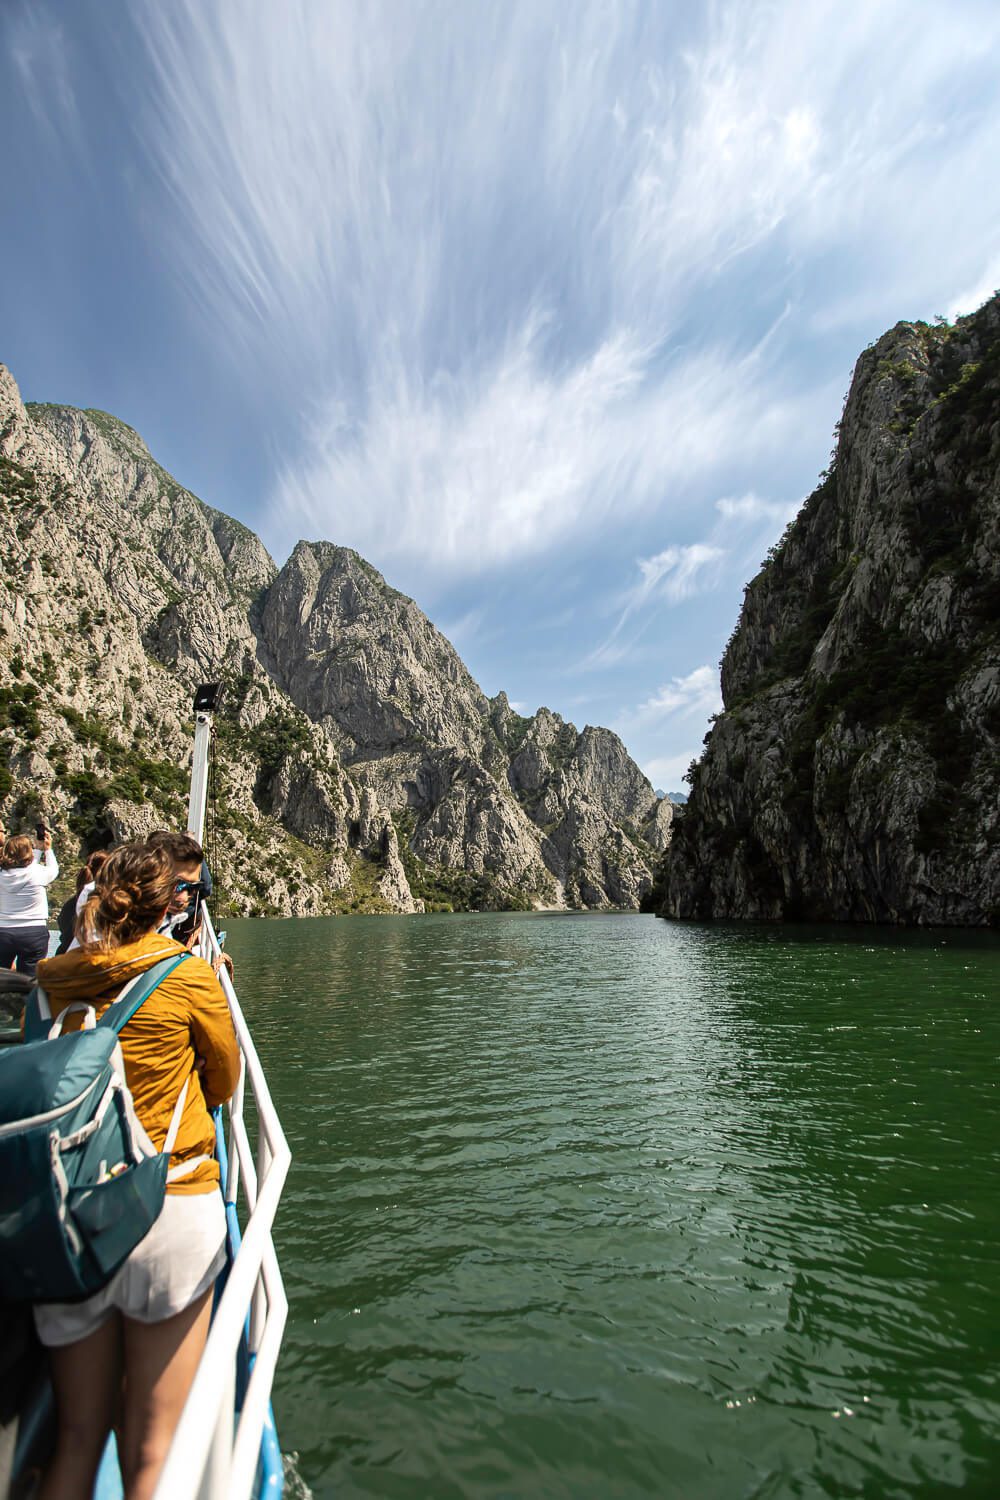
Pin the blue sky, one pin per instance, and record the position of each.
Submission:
(548, 309)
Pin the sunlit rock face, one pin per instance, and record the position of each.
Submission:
(855, 772)
(359, 766)
(535, 812)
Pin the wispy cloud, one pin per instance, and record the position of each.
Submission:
(697, 695)
(751, 509)
(978, 291)
(465, 628)
(668, 717)
(673, 574)
(38, 48)
(670, 576)
(743, 525)
(473, 238)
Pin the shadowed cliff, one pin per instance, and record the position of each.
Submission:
(855, 772)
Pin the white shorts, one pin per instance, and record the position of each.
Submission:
(178, 1260)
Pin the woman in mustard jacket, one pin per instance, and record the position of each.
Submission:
(149, 1324)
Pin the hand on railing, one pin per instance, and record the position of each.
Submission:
(223, 961)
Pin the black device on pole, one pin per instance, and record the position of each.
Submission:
(206, 699)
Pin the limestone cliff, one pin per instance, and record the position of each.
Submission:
(521, 811)
(855, 772)
(359, 766)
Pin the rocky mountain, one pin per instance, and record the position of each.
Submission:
(358, 765)
(855, 772)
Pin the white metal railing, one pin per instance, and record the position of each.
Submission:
(214, 1455)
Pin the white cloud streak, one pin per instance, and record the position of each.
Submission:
(668, 717)
(472, 237)
(697, 695)
(38, 50)
(743, 526)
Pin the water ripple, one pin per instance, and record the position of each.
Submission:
(595, 1207)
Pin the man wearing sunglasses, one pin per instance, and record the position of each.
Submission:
(192, 886)
(192, 882)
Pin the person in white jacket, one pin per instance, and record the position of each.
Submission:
(24, 904)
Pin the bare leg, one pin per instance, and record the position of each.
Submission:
(86, 1377)
(160, 1364)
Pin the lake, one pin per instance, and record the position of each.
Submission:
(593, 1207)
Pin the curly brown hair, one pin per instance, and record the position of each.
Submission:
(18, 852)
(132, 891)
(89, 871)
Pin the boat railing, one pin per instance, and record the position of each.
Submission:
(216, 1450)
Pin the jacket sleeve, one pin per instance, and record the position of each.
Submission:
(47, 868)
(212, 1032)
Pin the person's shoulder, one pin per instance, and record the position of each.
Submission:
(200, 966)
(196, 972)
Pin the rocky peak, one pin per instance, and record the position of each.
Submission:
(607, 773)
(354, 652)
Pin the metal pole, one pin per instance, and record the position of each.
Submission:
(199, 775)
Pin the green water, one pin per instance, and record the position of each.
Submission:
(601, 1207)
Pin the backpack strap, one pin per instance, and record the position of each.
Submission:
(89, 1022)
(184, 1168)
(37, 1015)
(138, 990)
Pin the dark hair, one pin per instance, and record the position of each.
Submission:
(183, 848)
(17, 852)
(132, 891)
(91, 869)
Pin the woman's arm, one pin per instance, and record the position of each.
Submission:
(48, 866)
(212, 1032)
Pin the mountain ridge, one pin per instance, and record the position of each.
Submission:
(360, 767)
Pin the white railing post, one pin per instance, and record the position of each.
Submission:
(258, 1312)
(235, 1113)
(218, 1464)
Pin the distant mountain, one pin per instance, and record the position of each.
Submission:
(855, 772)
(359, 766)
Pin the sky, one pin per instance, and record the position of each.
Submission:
(546, 307)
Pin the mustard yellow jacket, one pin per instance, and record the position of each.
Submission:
(185, 1019)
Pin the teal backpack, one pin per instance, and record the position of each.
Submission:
(80, 1182)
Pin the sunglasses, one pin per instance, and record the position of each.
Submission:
(180, 886)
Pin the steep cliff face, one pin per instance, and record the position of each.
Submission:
(120, 592)
(855, 773)
(362, 659)
(359, 765)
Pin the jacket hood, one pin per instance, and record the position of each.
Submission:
(89, 974)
